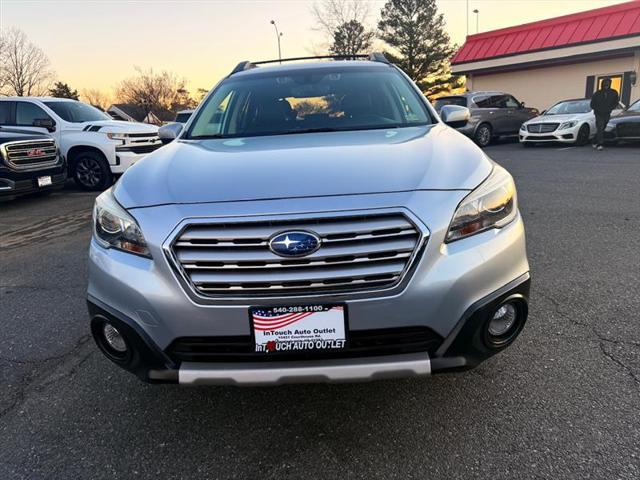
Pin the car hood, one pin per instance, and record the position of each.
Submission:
(626, 117)
(116, 126)
(15, 134)
(432, 157)
(559, 118)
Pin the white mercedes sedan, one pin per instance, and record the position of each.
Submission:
(568, 121)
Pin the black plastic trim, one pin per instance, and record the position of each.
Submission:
(144, 356)
(467, 346)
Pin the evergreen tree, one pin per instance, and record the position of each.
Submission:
(415, 31)
(351, 38)
(62, 90)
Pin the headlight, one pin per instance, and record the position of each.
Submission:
(523, 127)
(492, 205)
(116, 136)
(113, 227)
(567, 125)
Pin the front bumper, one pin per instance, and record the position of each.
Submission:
(559, 136)
(16, 183)
(463, 349)
(124, 160)
(448, 285)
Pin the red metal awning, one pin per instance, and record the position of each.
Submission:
(616, 21)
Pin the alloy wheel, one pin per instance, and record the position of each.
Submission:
(88, 171)
(483, 136)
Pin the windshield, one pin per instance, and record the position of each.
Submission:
(308, 101)
(635, 107)
(441, 102)
(571, 107)
(77, 112)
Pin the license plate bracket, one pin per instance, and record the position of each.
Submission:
(44, 181)
(299, 329)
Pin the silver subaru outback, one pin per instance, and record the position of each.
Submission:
(312, 222)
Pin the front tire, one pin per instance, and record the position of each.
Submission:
(583, 135)
(91, 171)
(483, 135)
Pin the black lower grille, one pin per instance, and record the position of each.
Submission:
(141, 148)
(362, 343)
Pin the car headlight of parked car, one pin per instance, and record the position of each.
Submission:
(566, 125)
(523, 128)
(115, 228)
(492, 205)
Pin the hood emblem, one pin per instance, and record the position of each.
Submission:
(35, 152)
(294, 244)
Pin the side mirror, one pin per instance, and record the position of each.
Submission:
(455, 116)
(168, 133)
(46, 123)
(543, 112)
(522, 105)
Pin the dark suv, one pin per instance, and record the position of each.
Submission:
(493, 114)
(29, 163)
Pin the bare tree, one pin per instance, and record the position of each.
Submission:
(96, 98)
(3, 61)
(26, 68)
(154, 92)
(344, 24)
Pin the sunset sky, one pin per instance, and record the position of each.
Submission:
(97, 43)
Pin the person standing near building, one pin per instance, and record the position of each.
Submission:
(603, 102)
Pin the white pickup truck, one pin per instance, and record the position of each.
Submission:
(96, 146)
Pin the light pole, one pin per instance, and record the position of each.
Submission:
(467, 11)
(477, 12)
(278, 35)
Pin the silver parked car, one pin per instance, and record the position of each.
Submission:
(493, 114)
(312, 222)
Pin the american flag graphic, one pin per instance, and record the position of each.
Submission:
(265, 320)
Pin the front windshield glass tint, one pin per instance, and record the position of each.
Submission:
(77, 112)
(308, 101)
(568, 108)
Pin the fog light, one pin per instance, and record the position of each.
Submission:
(113, 338)
(503, 320)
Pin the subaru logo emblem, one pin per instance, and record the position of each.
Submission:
(294, 244)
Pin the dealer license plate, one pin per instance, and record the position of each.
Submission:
(44, 181)
(293, 329)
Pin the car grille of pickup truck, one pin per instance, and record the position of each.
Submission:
(30, 154)
(542, 127)
(356, 253)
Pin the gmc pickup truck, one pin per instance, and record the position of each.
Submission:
(29, 163)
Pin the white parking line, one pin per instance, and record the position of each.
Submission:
(565, 148)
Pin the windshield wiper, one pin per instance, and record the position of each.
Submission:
(306, 130)
(207, 137)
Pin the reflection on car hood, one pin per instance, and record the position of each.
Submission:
(560, 118)
(305, 165)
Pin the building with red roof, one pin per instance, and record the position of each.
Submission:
(565, 57)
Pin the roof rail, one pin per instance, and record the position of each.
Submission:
(373, 57)
(246, 65)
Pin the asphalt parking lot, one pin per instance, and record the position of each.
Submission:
(562, 402)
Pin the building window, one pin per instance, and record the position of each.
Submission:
(616, 82)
